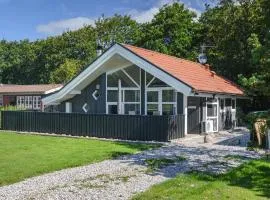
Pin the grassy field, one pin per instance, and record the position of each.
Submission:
(23, 156)
(250, 181)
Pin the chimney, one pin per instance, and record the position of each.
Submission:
(207, 66)
(213, 73)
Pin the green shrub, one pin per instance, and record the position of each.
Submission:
(2, 108)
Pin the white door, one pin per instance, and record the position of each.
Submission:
(212, 115)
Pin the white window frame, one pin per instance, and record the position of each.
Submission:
(160, 103)
(36, 101)
(20, 102)
(121, 108)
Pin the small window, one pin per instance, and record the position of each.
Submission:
(152, 96)
(211, 110)
(152, 109)
(112, 109)
(167, 109)
(132, 96)
(233, 104)
(222, 104)
(168, 96)
(132, 109)
(228, 102)
(112, 96)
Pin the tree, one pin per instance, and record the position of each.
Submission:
(228, 27)
(238, 30)
(118, 28)
(66, 71)
(173, 31)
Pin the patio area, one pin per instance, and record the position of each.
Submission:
(237, 137)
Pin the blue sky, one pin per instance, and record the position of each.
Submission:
(34, 19)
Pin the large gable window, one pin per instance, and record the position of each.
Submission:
(124, 91)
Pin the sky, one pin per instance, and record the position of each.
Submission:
(37, 19)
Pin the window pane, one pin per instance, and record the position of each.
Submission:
(152, 96)
(233, 103)
(149, 77)
(112, 81)
(211, 110)
(152, 109)
(158, 83)
(167, 109)
(112, 96)
(112, 109)
(168, 96)
(125, 80)
(132, 109)
(132, 96)
(228, 102)
(221, 104)
(134, 72)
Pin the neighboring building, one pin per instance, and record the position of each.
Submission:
(25, 96)
(128, 80)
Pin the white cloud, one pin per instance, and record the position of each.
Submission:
(58, 27)
(198, 13)
(148, 15)
(143, 16)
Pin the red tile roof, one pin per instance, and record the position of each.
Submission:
(191, 73)
(28, 89)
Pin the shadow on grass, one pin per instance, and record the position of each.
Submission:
(135, 146)
(254, 175)
(116, 154)
(139, 146)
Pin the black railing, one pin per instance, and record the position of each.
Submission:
(126, 127)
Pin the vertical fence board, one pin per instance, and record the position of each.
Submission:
(128, 127)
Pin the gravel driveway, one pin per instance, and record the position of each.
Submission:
(123, 177)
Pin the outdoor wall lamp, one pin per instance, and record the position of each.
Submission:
(96, 93)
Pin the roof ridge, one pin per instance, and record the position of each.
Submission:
(183, 59)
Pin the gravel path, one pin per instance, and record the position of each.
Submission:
(127, 175)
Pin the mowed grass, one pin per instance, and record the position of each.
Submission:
(248, 182)
(23, 155)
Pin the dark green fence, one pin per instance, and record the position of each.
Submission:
(127, 127)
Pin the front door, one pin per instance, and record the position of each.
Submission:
(194, 119)
(211, 115)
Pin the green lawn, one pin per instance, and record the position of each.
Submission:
(250, 181)
(23, 156)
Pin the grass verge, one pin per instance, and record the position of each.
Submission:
(23, 156)
(250, 181)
